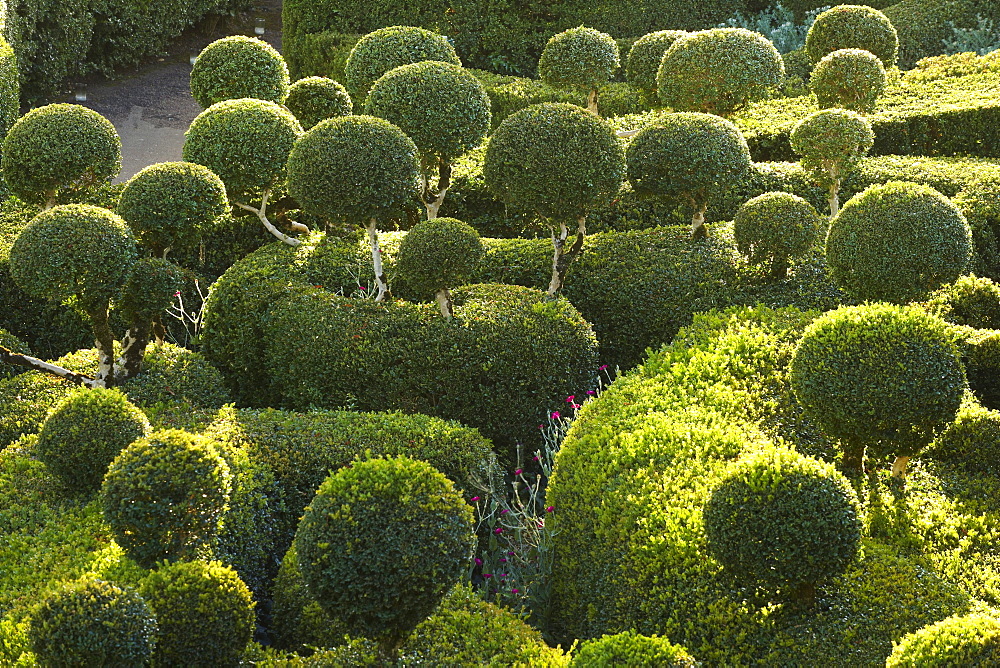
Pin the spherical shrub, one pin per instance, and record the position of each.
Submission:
(382, 543)
(555, 159)
(92, 623)
(246, 142)
(151, 288)
(645, 56)
(236, 67)
(784, 522)
(85, 432)
(972, 640)
(316, 99)
(773, 227)
(882, 376)
(850, 78)
(897, 242)
(982, 367)
(830, 143)
(438, 254)
(59, 146)
(979, 200)
(718, 71)
(171, 204)
(853, 27)
(16, 345)
(204, 612)
(444, 109)
(387, 48)
(972, 441)
(633, 650)
(164, 496)
(580, 57)
(969, 301)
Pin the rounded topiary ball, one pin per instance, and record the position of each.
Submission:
(152, 287)
(171, 204)
(882, 376)
(633, 650)
(972, 640)
(245, 142)
(853, 27)
(580, 57)
(236, 67)
(92, 623)
(850, 78)
(164, 496)
(381, 544)
(718, 71)
(85, 432)
(972, 441)
(387, 48)
(969, 301)
(773, 227)
(316, 99)
(644, 58)
(204, 612)
(59, 146)
(438, 254)
(897, 242)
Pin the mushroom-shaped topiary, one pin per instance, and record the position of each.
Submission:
(971, 640)
(438, 254)
(381, 544)
(204, 612)
(387, 48)
(644, 59)
(85, 432)
(236, 67)
(882, 377)
(718, 71)
(633, 650)
(689, 155)
(355, 168)
(59, 147)
(853, 27)
(92, 623)
(783, 522)
(164, 496)
(897, 242)
(830, 144)
(581, 58)
(442, 108)
(316, 99)
(850, 78)
(560, 162)
(773, 227)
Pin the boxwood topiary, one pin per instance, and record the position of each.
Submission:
(581, 58)
(11, 342)
(972, 441)
(387, 48)
(853, 27)
(979, 200)
(316, 99)
(773, 227)
(631, 649)
(970, 640)
(92, 623)
(718, 71)
(10, 89)
(236, 67)
(850, 78)
(151, 287)
(969, 301)
(645, 56)
(897, 242)
(436, 255)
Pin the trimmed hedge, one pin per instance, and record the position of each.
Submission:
(633, 650)
(850, 78)
(238, 67)
(10, 88)
(972, 640)
(580, 57)
(316, 99)
(8, 340)
(645, 56)
(969, 301)
(923, 25)
(979, 200)
(972, 441)
(773, 227)
(438, 254)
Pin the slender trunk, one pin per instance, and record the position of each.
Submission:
(433, 200)
(134, 344)
(854, 458)
(8, 356)
(805, 594)
(779, 268)
(698, 229)
(899, 466)
(592, 103)
(443, 299)
(383, 287)
(159, 331)
(104, 340)
(834, 199)
(50, 200)
(261, 214)
(561, 258)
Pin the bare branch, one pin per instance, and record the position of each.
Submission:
(10, 357)
(261, 214)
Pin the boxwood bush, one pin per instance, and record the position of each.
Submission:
(315, 99)
(970, 640)
(972, 441)
(969, 301)
(644, 59)
(237, 67)
(979, 200)
(581, 58)
(8, 340)
(853, 27)
(387, 48)
(632, 649)
(773, 227)
(850, 78)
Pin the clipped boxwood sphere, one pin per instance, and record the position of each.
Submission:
(581, 57)
(438, 254)
(387, 48)
(92, 623)
(59, 146)
(882, 376)
(236, 67)
(783, 521)
(831, 142)
(556, 159)
(444, 109)
(773, 227)
(85, 432)
(645, 56)
(972, 441)
(164, 496)
(316, 99)
(73, 250)
(897, 242)
(853, 27)
(850, 78)
(718, 71)
(381, 544)
(246, 142)
(972, 640)
(633, 650)
(204, 612)
(151, 288)
(969, 301)
(353, 168)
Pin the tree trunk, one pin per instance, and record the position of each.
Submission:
(805, 594)
(899, 467)
(443, 299)
(854, 458)
(592, 103)
(159, 331)
(261, 214)
(104, 340)
(698, 229)
(779, 268)
(133, 350)
(433, 200)
(834, 200)
(561, 258)
(383, 287)
(8, 356)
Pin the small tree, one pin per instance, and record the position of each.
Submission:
(560, 162)
(581, 58)
(438, 254)
(236, 67)
(315, 99)
(644, 59)
(773, 227)
(853, 27)
(850, 78)
(386, 49)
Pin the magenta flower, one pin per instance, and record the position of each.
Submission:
(487, 576)
(504, 511)
(511, 553)
(517, 472)
(555, 415)
(473, 499)
(498, 530)
(479, 562)
(515, 591)
(503, 560)
(591, 392)
(361, 287)
(177, 294)
(550, 509)
(541, 426)
(602, 367)
(535, 458)
(570, 398)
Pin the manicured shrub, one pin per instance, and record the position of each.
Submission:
(315, 99)
(59, 147)
(237, 67)
(204, 613)
(774, 227)
(982, 367)
(884, 377)
(718, 71)
(979, 200)
(10, 89)
(631, 649)
(92, 623)
(850, 78)
(925, 26)
(853, 27)
(387, 48)
(581, 58)
(164, 496)
(645, 56)
(438, 254)
(16, 345)
(970, 640)
(151, 288)
(969, 301)
(972, 441)
(897, 242)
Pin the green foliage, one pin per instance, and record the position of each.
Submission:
(317, 54)
(718, 71)
(773, 227)
(853, 27)
(850, 78)
(645, 56)
(151, 288)
(969, 301)
(386, 49)
(925, 25)
(579, 57)
(979, 200)
(972, 441)
(237, 67)
(971, 640)
(8, 340)
(10, 89)
(315, 99)
(438, 254)
(935, 68)
(982, 363)
(634, 650)
(830, 144)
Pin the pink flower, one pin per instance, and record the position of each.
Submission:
(518, 472)
(550, 509)
(576, 405)
(473, 499)
(511, 553)
(541, 426)
(555, 415)
(503, 560)
(487, 576)
(591, 392)
(535, 458)
(361, 287)
(570, 398)
(479, 562)
(602, 367)
(177, 294)
(515, 591)
(504, 511)
(498, 530)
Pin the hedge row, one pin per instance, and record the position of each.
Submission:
(923, 25)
